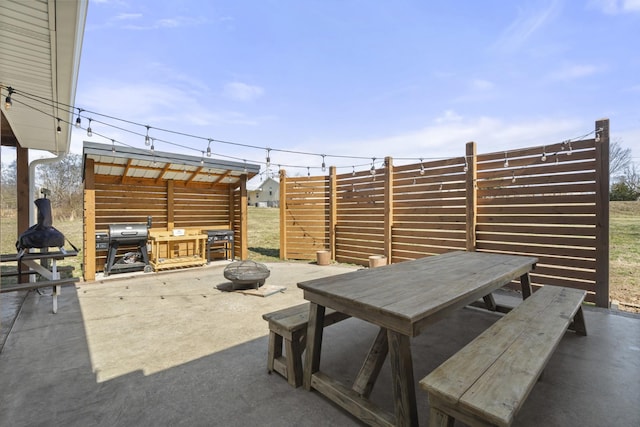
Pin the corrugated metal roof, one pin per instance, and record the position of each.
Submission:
(130, 162)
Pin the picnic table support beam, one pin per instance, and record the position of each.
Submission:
(314, 343)
(364, 382)
(402, 382)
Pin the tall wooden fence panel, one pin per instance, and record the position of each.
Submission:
(360, 213)
(429, 209)
(542, 202)
(304, 216)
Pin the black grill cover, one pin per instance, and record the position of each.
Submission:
(43, 234)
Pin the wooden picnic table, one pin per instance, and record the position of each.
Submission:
(402, 299)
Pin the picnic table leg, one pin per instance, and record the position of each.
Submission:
(404, 392)
(525, 284)
(54, 295)
(364, 382)
(314, 343)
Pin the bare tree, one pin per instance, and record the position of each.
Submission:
(64, 180)
(619, 158)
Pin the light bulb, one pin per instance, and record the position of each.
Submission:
(7, 101)
(89, 131)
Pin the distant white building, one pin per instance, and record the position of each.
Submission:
(264, 193)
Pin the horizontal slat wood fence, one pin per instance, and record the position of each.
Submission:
(545, 201)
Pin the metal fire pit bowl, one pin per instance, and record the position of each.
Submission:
(244, 274)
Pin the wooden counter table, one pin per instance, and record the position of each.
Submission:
(171, 251)
(402, 299)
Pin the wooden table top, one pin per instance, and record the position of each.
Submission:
(408, 296)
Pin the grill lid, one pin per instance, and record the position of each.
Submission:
(128, 232)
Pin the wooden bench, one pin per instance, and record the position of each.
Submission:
(487, 381)
(55, 286)
(290, 324)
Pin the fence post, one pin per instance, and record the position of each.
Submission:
(333, 211)
(244, 219)
(388, 209)
(472, 194)
(283, 214)
(602, 213)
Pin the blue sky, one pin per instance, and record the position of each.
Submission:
(364, 78)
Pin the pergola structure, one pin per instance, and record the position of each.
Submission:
(177, 192)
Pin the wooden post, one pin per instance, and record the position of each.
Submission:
(388, 209)
(333, 210)
(170, 223)
(22, 192)
(232, 207)
(244, 218)
(283, 214)
(602, 213)
(472, 194)
(22, 183)
(89, 229)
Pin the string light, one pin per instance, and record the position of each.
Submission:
(308, 171)
(7, 101)
(506, 160)
(466, 164)
(202, 159)
(152, 149)
(544, 154)
(209, 148)
(59, 129)
(421, 168)
(353, 172)
(269, 158)
(147, 139)
(324, 166)
(570, 149)
(113, 145)
(597, 132)
(78, 120)
(70, 108)
(373, 167)
(513, 176)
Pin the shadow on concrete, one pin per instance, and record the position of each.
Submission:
(50, 370)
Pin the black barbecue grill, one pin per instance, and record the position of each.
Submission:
(127, 235)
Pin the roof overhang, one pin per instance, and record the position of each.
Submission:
(40, 47)
(129, 164)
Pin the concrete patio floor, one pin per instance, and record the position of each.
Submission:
(171, 349)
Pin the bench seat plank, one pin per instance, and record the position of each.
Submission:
(490, 378)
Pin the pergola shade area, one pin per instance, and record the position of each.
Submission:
(183, 195)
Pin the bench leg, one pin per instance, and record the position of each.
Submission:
(579, 324)
(438, 418)
(275, 350)
(293, 353)
(525, 285)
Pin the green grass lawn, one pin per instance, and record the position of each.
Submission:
(264, 243)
